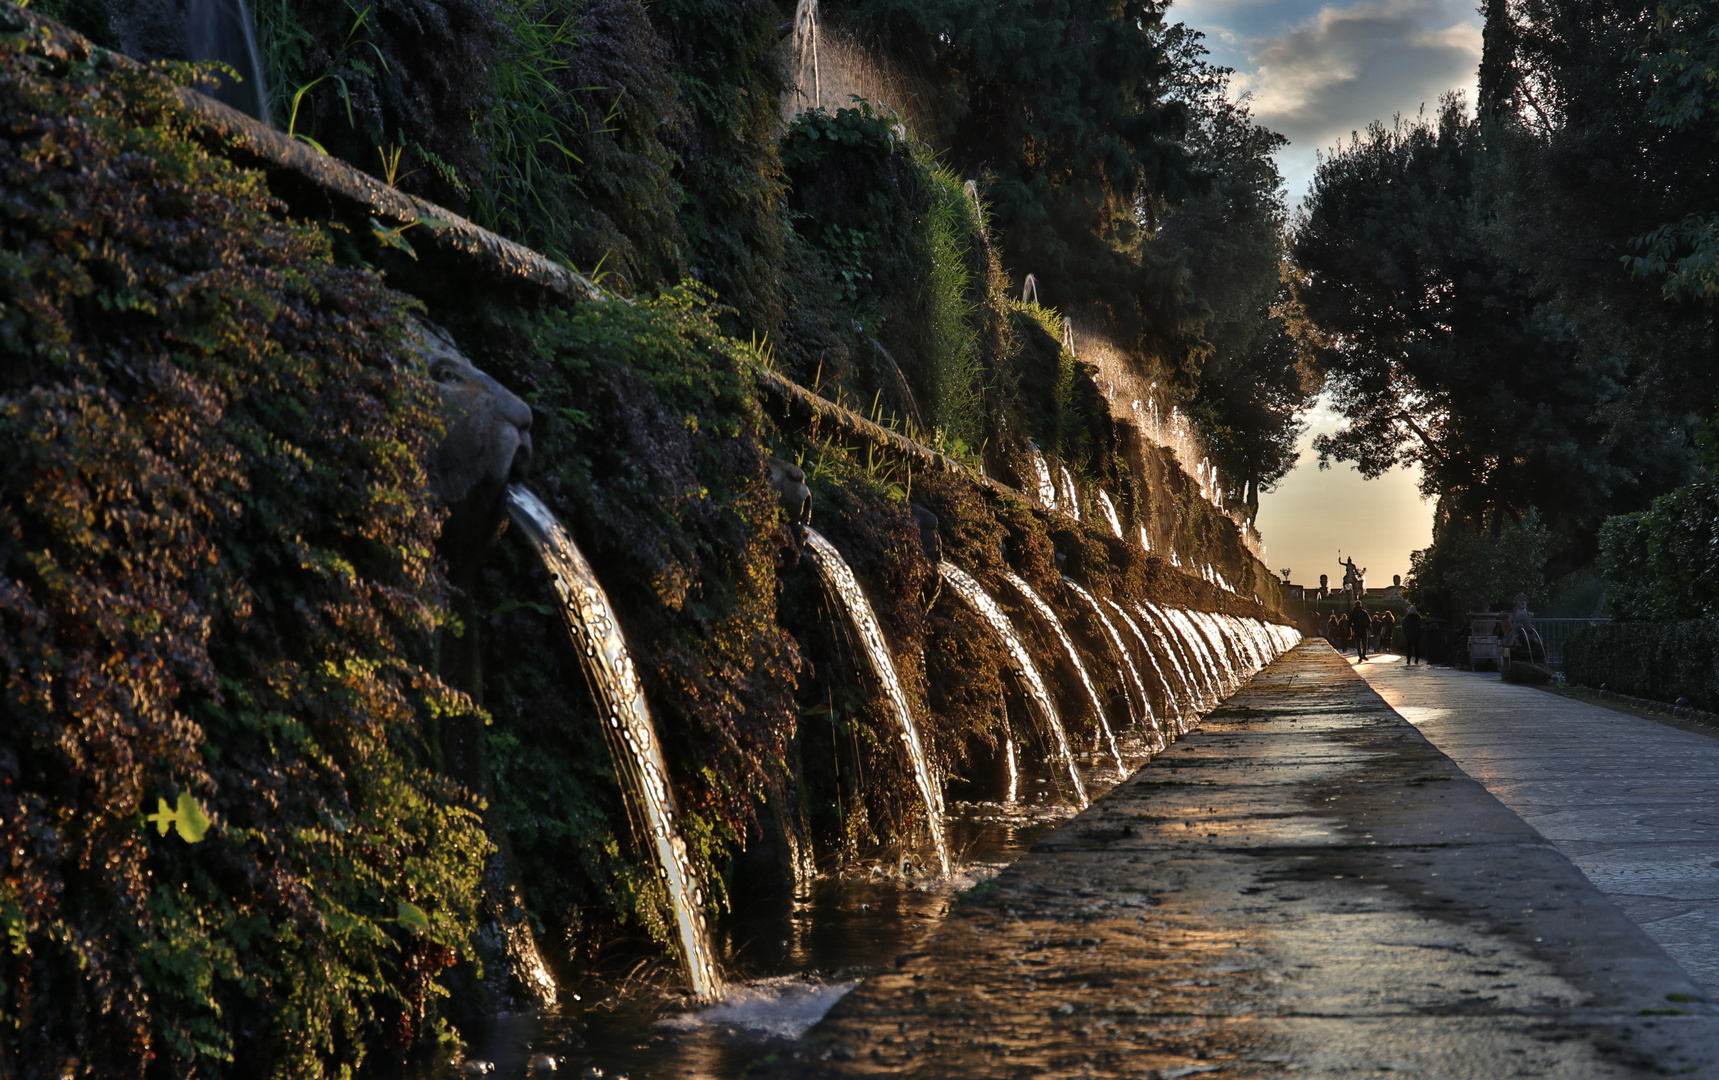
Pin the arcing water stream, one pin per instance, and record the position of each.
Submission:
(839, 580)
(631, 735)
(1049, 616)
(988, 610)
(1122, 651)
(790, 966)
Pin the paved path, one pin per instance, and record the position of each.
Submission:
(1303, 886)
(1633, 802)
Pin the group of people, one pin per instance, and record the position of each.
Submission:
(1362, 629)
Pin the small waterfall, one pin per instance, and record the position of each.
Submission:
(1110, 517)
(1170, 693)
(1188, 698)
(1121, 650)
(839, 579)
(1045, 612)
(1071, 495)
(1181, 653)
(1145, 541)
(1014, 766)
(222, 30)
(988, 610)
(1216, 663)
(631, 734)
(806, 44)
(1042, 473)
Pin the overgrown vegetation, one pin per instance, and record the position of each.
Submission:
(1663, 562)
(217, 581)
(221, 597)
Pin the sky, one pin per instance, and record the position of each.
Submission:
(1316, 73)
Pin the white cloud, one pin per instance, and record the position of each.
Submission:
(1346, 66)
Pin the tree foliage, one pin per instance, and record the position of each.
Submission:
(1663, 562)
(1255, 379)
(1060, 110)
(1445, 353)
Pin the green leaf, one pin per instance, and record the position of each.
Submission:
(188, 819)
(163, 816)
(413, 916)
(191, 822)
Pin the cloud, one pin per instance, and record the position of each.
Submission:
(1345, 66)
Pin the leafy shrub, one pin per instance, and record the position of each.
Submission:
(217, 581)
(1662, 563)
(1464, 569)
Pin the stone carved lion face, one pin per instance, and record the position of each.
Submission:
(486, 446)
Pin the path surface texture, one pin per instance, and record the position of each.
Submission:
(1633, 802)
(1303, 887)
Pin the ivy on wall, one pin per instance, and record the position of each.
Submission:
(217, 592)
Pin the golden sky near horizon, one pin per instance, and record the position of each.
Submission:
(1314, 513)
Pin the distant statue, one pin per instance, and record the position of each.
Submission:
(1519, 618)
(1395, 592)
(1354, 578)
(1286, 571)
(1324, 587)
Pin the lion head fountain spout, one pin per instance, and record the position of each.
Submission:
(789, 482)
(486, 446)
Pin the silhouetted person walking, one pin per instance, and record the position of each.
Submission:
(1333, 633)
(1359, 623)
(1412, 635)
(1387, 624)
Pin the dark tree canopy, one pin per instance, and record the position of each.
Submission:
(1059, 106)
(1255, 380)
(1601, 150)
(1443, 353)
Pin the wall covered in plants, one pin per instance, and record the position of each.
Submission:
(226, 839)
(264, 752)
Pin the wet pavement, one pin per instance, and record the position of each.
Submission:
(1303, 886)
(1633, 802)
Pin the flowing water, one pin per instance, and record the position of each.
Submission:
(1179, 701)
(806, 52)
(1071, 494)
(222, 30)
(1181, 655)
(1222, 664)
(1109, 509)
(631, 734)
(1045, 612)
(789, 962)
(1042, 474)
(1177, 708)
(838, 578)
(1122, 651)
(988, 610)
(793, 959)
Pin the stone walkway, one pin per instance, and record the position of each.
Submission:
(1634, 803)
(1304, 886)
